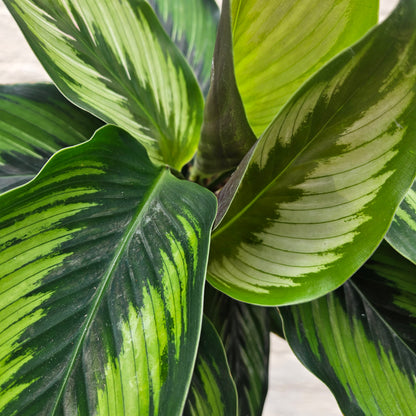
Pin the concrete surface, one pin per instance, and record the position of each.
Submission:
(293, 390)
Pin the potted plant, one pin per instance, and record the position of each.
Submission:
(159, 218)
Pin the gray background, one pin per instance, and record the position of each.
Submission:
(293, 391)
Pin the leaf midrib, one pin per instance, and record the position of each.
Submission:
(292, 161)
(118, 255)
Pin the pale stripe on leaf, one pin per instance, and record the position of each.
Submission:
(192, 25)
(103, 260)
(114, 59)
(320, 188)
(212, 390)
(402, 232)
(279, 44)
(343, 340)
(35, 122)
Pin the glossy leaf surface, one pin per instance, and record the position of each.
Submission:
(318, 192)
(102, 267)
(35, 122)
(226, 135)
(114, 59)
(192, 25)
(402, 232)
(244, 330)
(344, 340)
(279, 44)
(212, 390)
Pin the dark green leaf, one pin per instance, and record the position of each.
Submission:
(226, 135)
(114, 59)
(212, 390)
(279, 44)
(402, 232)
(35, 122)
(192, 25)
(318, 192)
(244, 330)
(102, 267)
(388, 281)
(343, 340)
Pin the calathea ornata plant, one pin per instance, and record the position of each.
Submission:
(282, 177)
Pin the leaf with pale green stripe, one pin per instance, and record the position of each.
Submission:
(244, 330)
(388, 281)
(402, 232)
(344, 339)
(317, 194)
(114, 59)
(226, 135)
(102, 269)
(279, 44)
(212, 390)
(192, 25)
(35, 122)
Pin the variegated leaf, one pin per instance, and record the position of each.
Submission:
(102, 266)
(402, 232)
(192, 25)
(344, 339)
(212, 390)
(279, 44)
(388, 281)
(244, 330)
(317, 194)
(114, 59)
(35, 122)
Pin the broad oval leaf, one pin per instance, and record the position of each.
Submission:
(319, 190)
(244, 330)
(344, 341)
(212, 390)
(402, 232)
(226, 135)
(192, 25)
(279, 44)
(35, 122)
(114, 59)
(102, 269)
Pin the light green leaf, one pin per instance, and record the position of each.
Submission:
(35, 122)
(317, 194)
(192, 25)
(402, 232)
(279, 44)
(114, 59)
(212, 390)
(102, 266)
(244, 330)
(226, 135)
(344, 341)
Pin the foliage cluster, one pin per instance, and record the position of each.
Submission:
(269, 150)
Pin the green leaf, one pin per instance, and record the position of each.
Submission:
(114, 59)
(102, 267)
(317, 194)
(35, 122)
(388, 281)
(244, 330)
(343, 340)
(212, 390)
(402, 232)
(279, 44)
(226, 135)
(192, 25)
